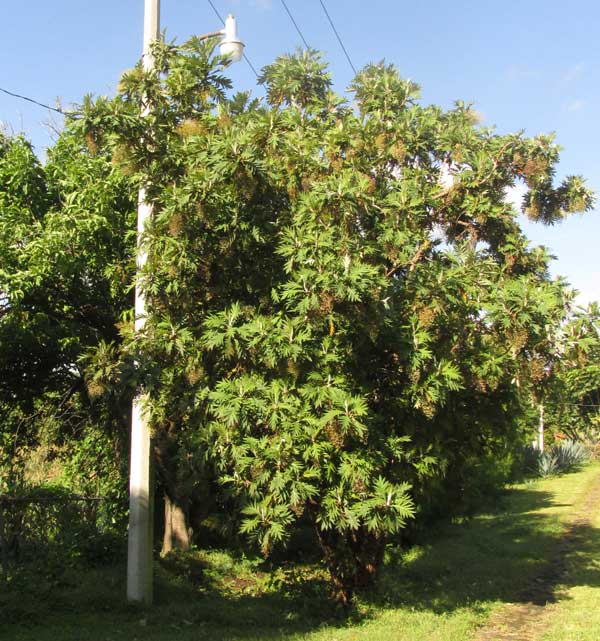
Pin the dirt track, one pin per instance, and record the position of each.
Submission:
(527, 617)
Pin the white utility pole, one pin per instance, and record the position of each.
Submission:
(541, 429)
(141, 494)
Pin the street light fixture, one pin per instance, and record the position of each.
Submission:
(141, 495)
(231, 45)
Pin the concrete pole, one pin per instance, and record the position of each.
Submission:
(541, 429)
(3, 542)
(141, 494)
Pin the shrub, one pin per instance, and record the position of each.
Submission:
(570, 455)
(562, 457)
(309, 339)
(547, 464)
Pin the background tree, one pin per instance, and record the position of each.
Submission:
(574, 400)
(67, 250)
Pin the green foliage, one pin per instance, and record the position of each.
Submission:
(332, 330)
(66, 247)
(336, 333)
(570, 455)
(574, 401)
(296, 80)
(547, 464)
(47, 528)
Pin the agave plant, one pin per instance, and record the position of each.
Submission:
(539, 463)
(547, 464)
(570, 455)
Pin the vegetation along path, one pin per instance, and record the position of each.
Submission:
(529, 570)
(534, 610)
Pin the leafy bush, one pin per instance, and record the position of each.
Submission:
(47, 527)
(331, 322)
(307, 338)
(473, 485)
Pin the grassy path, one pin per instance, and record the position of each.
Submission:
(459, 586)
(539, 608)
(542, 545)
(576, 616)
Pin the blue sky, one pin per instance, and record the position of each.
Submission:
(533, 66)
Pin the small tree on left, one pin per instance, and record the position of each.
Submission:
(66, 264)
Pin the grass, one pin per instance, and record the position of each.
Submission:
(576, 616)
(440, 590)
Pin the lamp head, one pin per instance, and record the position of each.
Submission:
(231, 45)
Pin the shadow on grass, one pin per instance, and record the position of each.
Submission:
(188, 600)
(492, 557)
(516, 555)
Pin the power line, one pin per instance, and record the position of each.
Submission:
(250, 65)
(337, 35)
(71, 114)
(67, 114)
(580, 405)
(223, 21)
(216, 12)
(295, 23)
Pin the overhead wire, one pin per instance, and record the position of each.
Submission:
(210, 2)
(68, 114)
(581, 405)
(337, 35)
(62, 112)
(71, 114)
(295, 23)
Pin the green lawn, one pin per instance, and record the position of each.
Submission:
(439, 591)
(576, 617)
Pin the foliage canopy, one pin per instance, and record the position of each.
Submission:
(344, 313)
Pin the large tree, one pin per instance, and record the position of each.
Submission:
(342, 304)
(343, 313)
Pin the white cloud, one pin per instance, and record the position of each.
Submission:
(575, 105)
(574, 72)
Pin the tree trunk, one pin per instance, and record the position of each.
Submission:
(177, 531)
(353, 559)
